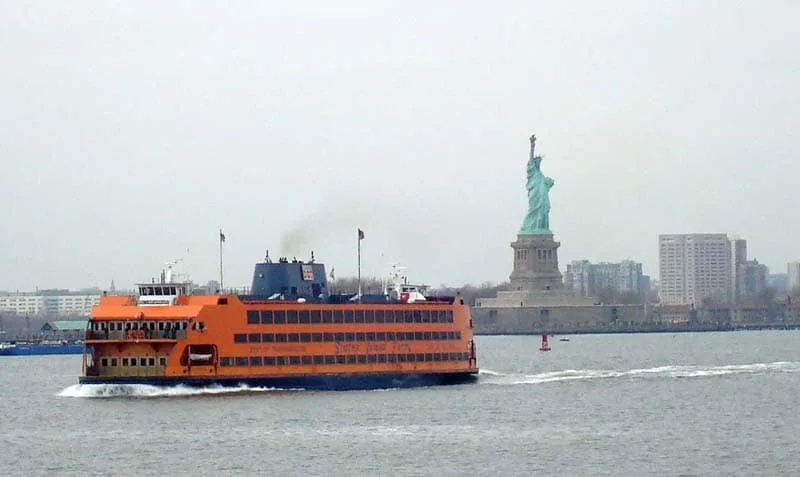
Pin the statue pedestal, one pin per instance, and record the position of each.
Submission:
(536, 263)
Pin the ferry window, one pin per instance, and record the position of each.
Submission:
(417, 316)
(327, 316)
(390, 358)
(390, 336)
(389, 316)
(358, 316)
(316, 337)
(329, 337)
(369, 316)
(142, 361)
(379, 316)
(267, 338)
(256, 361)
(454, 356)
(411, 357)
(319, 359)
(458, 335)
(151, 361)
(449, 316)
(266, 317)
(269, 361)
(349, 336)
(241, 361)
(162, 361)
(293, 338)
(428, 356)
(401, 358)
(369, 336)
(226, 361)
(281, 360)
(240, 338)
(316, 316)
(280, 338)
(222, 301)
(303, 317)
(418, 335)
(426, 336)
(348, 316)
(294, 360)
(420, 357)
(360, 337)
(437, 356)
(306, 360)
(408, 316)
(254, 338)
(372, 358)
(362, 359)
(337, 316)
(339, 336)
(280, 317)
(253, 317)
(305, 337)
(104, 362)
(330, 359)
(351, 359)
(409, 335)
(124, 361)
(380, 336)
(382, 358)
(114, 362)
(451, 335)
(291, 316)
(341, 359)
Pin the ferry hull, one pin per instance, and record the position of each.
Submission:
(326, 382)
(33, 350)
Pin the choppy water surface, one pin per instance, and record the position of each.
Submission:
(661, 404)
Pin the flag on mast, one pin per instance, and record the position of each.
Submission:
(360, 234)
(221, 236)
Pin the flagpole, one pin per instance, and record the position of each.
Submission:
(359, 265)
(221, 239)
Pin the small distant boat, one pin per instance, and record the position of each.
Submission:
(40, 348)
(563, 339)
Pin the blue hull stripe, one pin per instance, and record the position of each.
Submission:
(338, 382)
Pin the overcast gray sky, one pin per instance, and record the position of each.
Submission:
(131, 131)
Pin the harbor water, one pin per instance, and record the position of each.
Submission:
(686, 404)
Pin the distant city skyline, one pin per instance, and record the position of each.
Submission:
(132, 133)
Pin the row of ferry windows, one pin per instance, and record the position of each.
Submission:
(342, 337)
(137, 325)
(255, 317)
(341, 359)
(113, 362)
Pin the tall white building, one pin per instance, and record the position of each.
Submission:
(694, 268)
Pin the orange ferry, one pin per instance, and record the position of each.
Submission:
(290, 332)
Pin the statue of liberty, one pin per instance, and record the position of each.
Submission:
(537, 220)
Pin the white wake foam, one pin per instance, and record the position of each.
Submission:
(148, 391)
(642, 373)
